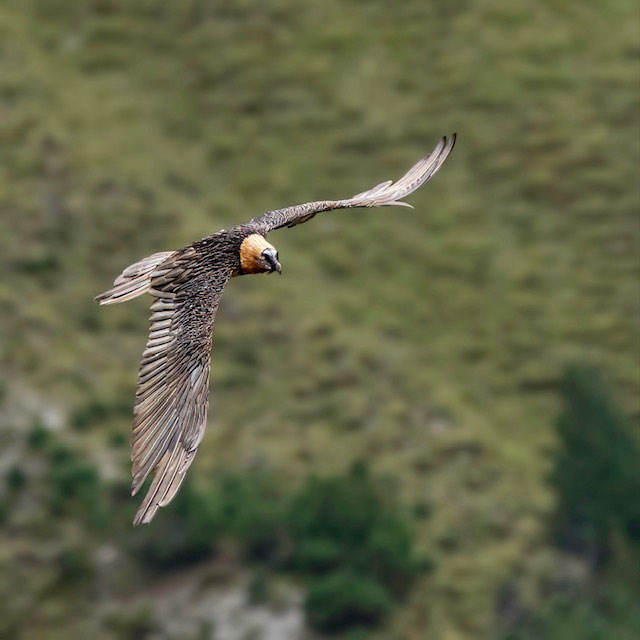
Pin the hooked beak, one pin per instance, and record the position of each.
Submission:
(271, 256)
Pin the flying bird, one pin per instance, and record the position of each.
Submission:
(172, 393)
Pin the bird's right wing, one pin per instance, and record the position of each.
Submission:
(383, 194)
(170, 412)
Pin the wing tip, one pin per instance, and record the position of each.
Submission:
(144, 516)
(398, 203)
(135, 488)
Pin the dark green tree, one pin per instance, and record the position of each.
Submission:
(597, 468)
(596, 475)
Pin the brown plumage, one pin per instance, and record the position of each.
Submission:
(170, 410)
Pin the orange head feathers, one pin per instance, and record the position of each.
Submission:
(258, 256)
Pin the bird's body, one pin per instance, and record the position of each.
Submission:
(170, 411)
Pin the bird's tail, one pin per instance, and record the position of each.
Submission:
(134, 280)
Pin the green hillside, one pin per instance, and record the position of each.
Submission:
(426, 344)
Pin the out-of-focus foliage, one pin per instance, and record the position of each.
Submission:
(279, 529)
(597, 470)
(189, 534)
(342, 600)
(597, 480)
(245, 508)
(359, 549)
(339, 531)
(342, 522)
(584, 616)
(429, 343)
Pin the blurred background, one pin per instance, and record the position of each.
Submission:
(428, 427)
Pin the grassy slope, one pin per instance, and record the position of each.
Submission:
(424, 342)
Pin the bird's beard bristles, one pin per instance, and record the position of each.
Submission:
(251, 253)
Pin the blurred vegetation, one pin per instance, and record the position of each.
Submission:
(596, 471)
(597, 479)
(343, 600)
(359, 551)
(339, 531)
(584, 616)
(429, 343)
(342, 522)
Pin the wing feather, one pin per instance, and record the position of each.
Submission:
(172, 394)
(386, 193)
(134, 280)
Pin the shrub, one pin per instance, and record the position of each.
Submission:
(342, 600)
(241, 507)
(339, 531)
(611, 613)
(250, 512)
(342, 509)
(73, 481)
(597, 480)
(317, 555)
(15, 478)
(182, 534)
(96, 411)
(344, 521)
(596, 470)
(73, 565)
(74, 485)
(39, 437)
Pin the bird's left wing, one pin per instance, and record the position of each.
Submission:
(170, 412)
(383, 194)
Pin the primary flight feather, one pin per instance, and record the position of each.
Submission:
(172, 395)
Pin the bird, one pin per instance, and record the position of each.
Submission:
(172, 391)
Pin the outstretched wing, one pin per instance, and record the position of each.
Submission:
(383, 194)
(170, 412)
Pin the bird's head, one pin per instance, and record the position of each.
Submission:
(258, 256)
